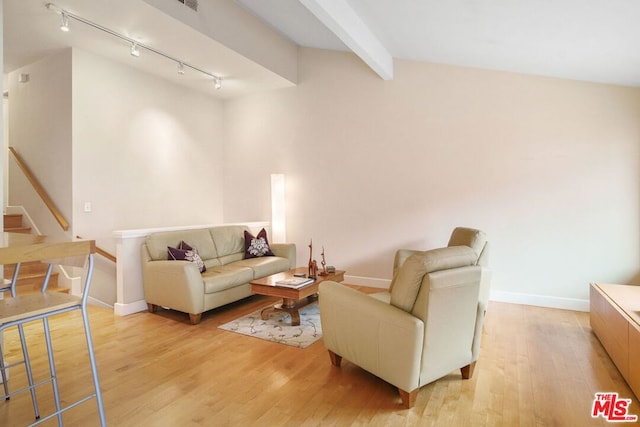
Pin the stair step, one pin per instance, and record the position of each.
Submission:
(12, 221)
(32, 276)
(26, 268)
(7, 294)
(25, 230)
(35, 280)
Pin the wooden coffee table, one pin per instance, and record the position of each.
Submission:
(292, 299)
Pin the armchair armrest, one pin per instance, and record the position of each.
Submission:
(374, 335)
(285, 250)
(174, 284)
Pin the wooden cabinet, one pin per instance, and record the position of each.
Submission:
(615, 319)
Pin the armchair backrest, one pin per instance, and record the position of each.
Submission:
(475, 239)
(444, 284)
(408, 281)
(447, 304)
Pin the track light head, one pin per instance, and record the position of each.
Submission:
(134, 49)
(135, 46)
(64, 25)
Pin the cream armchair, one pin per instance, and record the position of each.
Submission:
(428, 324)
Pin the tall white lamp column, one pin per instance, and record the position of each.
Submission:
(278, 209)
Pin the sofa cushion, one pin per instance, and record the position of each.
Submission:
(224, 277)
(184, 252)
(228, 240)
(200, 239)
(264, 266)
(256, 246)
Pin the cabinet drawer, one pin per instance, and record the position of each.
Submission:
(612, 329)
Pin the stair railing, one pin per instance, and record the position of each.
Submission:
(40, 190)
(102, 252)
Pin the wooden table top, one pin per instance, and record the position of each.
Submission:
(338, 276)
(19, 247)
(627, 297)
(267, 285)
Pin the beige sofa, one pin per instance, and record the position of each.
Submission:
(426, 326)
(179, 285)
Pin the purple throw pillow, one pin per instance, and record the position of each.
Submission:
(256, 246)
(184, 252)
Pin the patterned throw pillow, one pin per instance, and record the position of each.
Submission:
(257, 246)
(184, 252)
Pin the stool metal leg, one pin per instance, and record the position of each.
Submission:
(52, 370)
(25, 353)
(3, 373)
(87, 333)
(60, 305)
(27, 366)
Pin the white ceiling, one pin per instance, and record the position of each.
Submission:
(31, 31)
(592, 40)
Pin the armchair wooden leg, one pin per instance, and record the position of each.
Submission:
(152, 308)
(195, 318)
(408, 397)
(335, 359)
(467, 371)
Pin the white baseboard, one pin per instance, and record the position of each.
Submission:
(540, 300)
(133, 307)
(500, 296)
(98, 303)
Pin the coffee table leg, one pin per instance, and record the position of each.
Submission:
(295, 317)
(266, 312)
(289, 306)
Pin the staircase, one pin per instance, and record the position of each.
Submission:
(13, 224)
(31, 274)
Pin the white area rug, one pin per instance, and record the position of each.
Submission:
(277, 328)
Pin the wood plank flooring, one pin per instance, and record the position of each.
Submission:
(537, 367)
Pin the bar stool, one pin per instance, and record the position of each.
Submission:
(4, 369)
(18, 310)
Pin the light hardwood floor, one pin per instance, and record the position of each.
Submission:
(537, 367)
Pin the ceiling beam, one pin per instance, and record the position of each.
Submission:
(339, 17)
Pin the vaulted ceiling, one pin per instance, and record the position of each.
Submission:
(591, 40)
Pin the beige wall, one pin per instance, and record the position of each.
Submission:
(40, 131)
(144, 152)
(548, 168)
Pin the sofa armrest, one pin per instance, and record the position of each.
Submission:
(374, 335)
(285, 250)
(174, 284)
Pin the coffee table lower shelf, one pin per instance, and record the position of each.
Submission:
(292, 299)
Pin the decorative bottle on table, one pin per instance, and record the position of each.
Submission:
(313, 265)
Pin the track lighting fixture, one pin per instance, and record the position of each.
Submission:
(134, 49)
(64, 26)
(135, 45)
